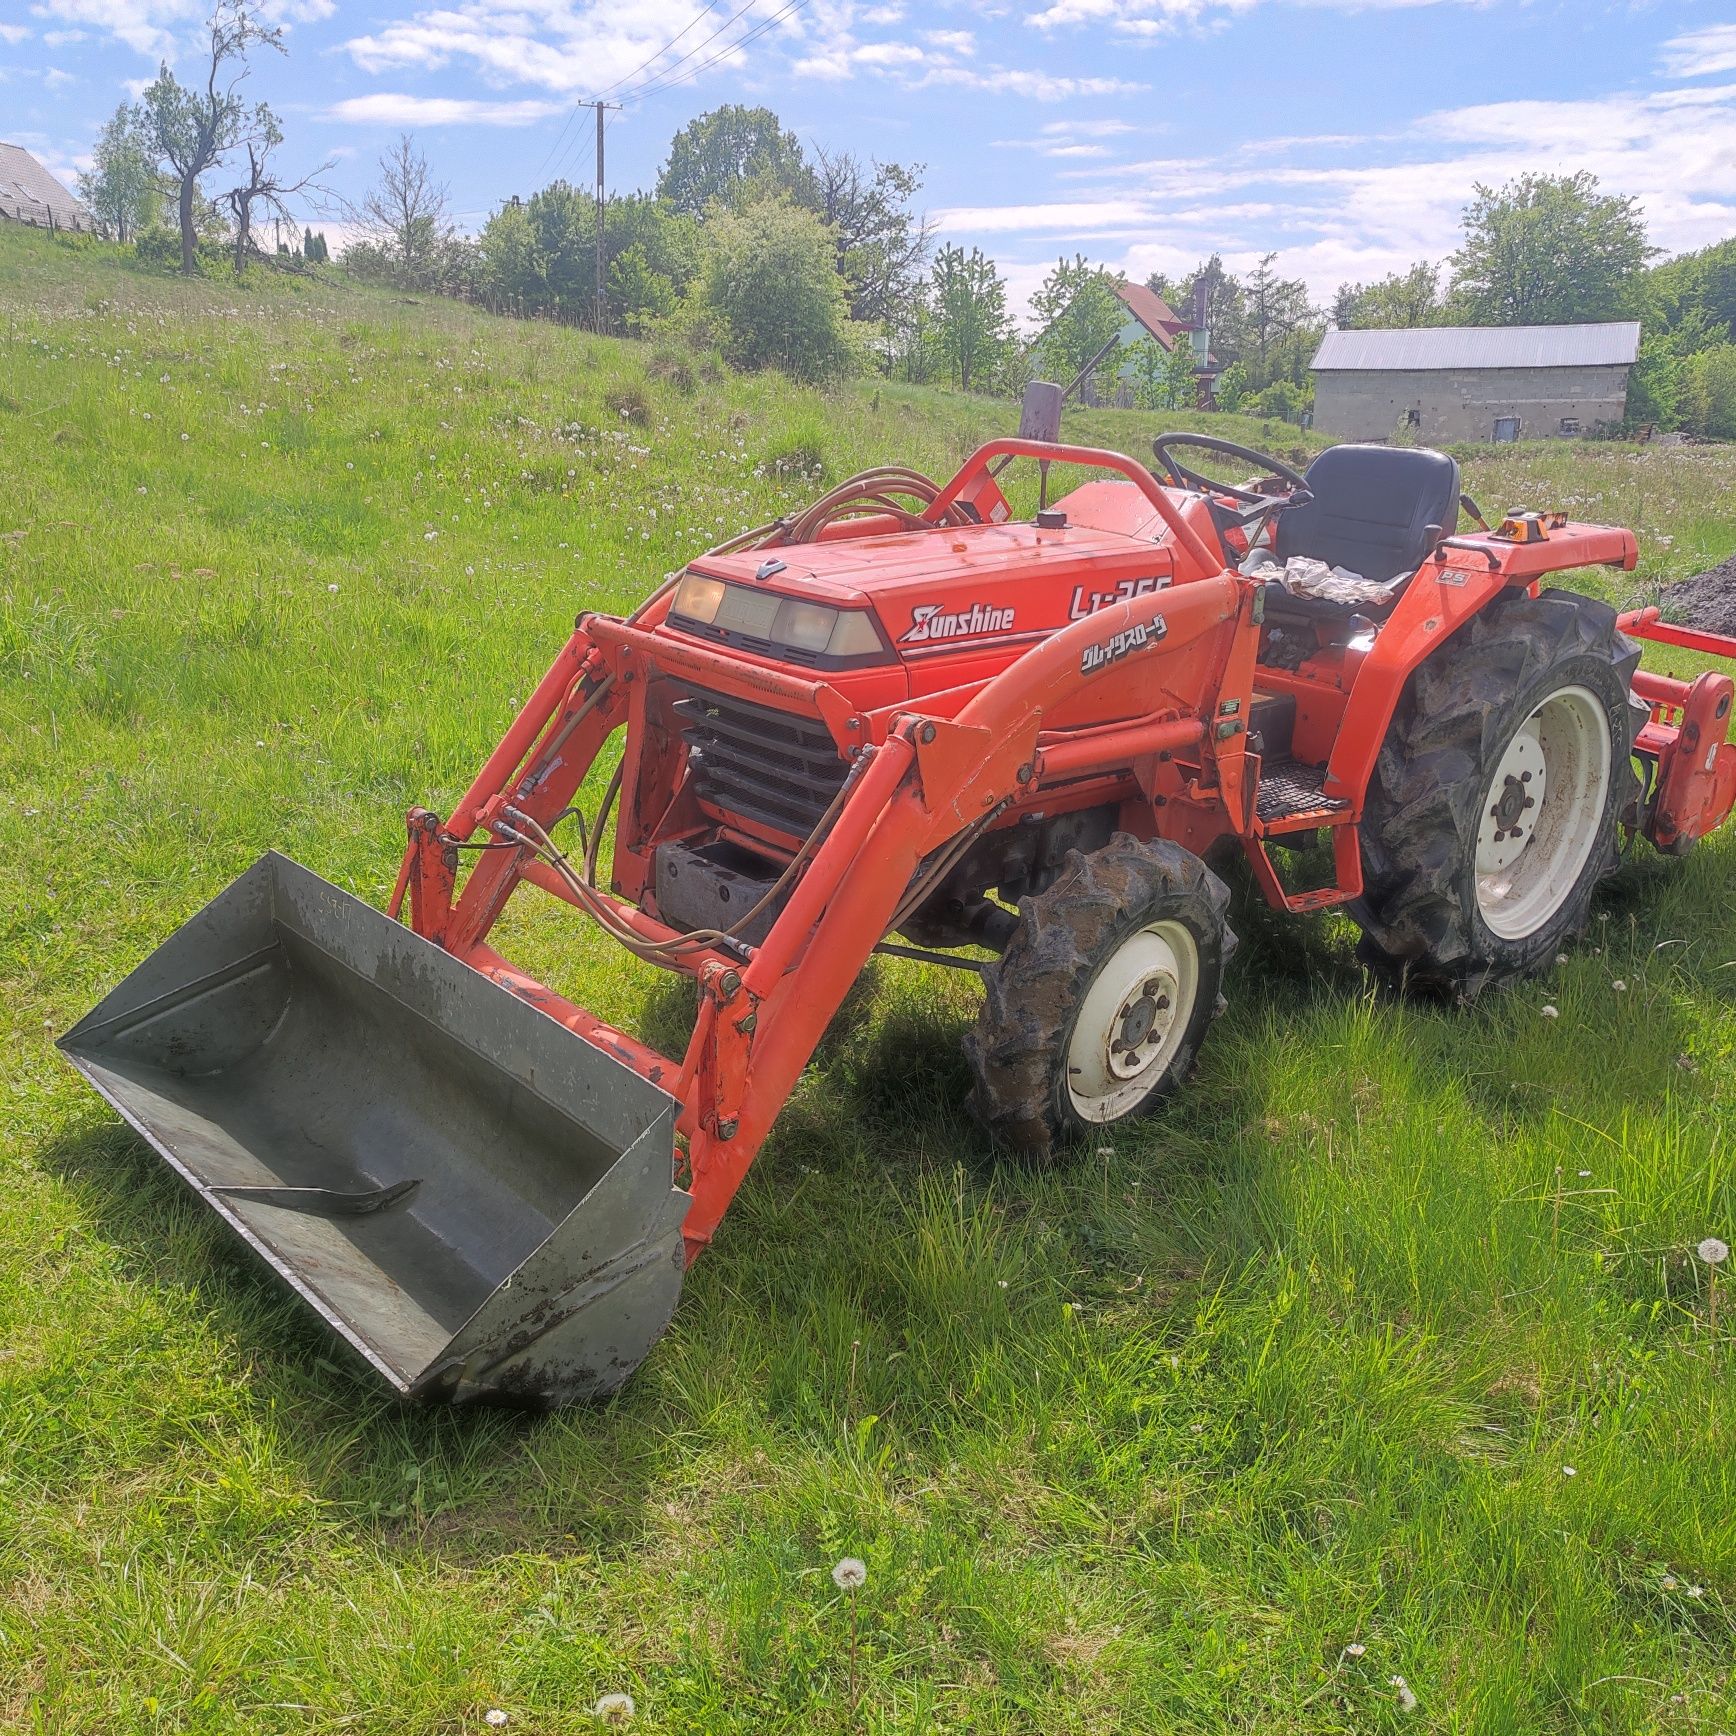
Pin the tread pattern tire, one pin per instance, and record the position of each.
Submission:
(1418, 912)
(1066, 933)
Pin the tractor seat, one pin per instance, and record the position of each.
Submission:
(1377, 510)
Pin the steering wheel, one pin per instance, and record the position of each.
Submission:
(1180, 475)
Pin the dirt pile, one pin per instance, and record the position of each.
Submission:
(1706, 601)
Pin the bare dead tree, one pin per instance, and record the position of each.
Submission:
(266, 188)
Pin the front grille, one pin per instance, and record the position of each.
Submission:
(774, 767)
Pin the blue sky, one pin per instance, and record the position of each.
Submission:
(1345, 134)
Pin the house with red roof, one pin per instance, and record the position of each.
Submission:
(1150, 316)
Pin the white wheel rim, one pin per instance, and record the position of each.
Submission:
(1133, 1020)
(1542, 812)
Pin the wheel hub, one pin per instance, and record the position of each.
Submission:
(1143, 1025)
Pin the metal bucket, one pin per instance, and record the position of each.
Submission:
(479, 1201)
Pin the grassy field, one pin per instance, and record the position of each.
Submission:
(1372, 1388)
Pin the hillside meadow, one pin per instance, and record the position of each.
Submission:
(1373, 1387)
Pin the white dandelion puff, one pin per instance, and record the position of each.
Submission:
(1669, 1582)
(850, 1574)
(1406, 1698)
(1550, 1012)
(1355, 1649)
(495, 1718)
(1561, 958)
(1713, 1251)
(1619, 986)
(1696, 1591)
(614, 1709)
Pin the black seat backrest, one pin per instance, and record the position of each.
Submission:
(1372, 509)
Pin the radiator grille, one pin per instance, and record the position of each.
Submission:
(775, 767)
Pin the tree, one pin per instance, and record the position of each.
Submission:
(1275, 306)
(406, 221)
(881, 242)
(313, 247)
(971, 324)
(1548, 250)
(1163, 379)
(1081, 313)
(543, 250)
(265, 186)
(719, 157)
(1709, 392)
(122, 187)
(1406, 298)
(194, 129)
(770, 281)
(1226, 312)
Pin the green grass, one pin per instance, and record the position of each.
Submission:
(1148, 1445)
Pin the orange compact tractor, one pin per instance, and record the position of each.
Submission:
(903, 721)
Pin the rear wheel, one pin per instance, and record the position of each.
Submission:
(1495, 804)
(1097, 1008)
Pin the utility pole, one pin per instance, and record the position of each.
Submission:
(601, 303)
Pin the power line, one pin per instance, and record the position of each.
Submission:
(609, 90)
(709, 6)
(662, 81)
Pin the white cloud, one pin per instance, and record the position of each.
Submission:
(391, 109)
(145, 26)
(883, 15)
(1018, 81)
(1365, 214)
(55, 78)
(1700, 52)
(1152, 18)
(13, 32)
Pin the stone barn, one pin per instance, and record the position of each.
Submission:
(1474, 382)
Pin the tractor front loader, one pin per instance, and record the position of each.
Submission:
(901, 721)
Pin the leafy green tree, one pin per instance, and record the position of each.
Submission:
(1162, 379)
(542, 250)
(770, 281)
(1406, 298)
(639, 294)
(1548, 250)
(1276, 308)
(1708, 392)
(1080, 313)
(194, 128)
(1233, 389)
(410, 238)
(971, 323)
(122, 187)
(723, 156)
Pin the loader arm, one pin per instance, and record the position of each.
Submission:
(922, 784)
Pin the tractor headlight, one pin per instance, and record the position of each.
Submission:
(764, 620)
(698, 598)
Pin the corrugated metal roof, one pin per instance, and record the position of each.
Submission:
(1608, 344)
(27, 190)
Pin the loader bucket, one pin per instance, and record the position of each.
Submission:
(478, 1200)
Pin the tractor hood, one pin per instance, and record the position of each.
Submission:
(980, 587)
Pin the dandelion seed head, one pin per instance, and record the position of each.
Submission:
(1406, 1698)
(1696, 1591)
(614, 1709)
(1669, 1582)
(1713, 1251)
(1561, 958)
(850, 1574)
(494, 1717)
(1619, 986)
(1551, 1012)
(1355, 1649)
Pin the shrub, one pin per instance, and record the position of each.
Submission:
(158, 250)
(629, 400)
(771, 282)
(1708, 393)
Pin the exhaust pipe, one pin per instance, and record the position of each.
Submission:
(481, 1203)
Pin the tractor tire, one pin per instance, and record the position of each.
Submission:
(1495, 805)
(1097, 1008)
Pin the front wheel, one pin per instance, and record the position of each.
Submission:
(1097, 1008)
(1495, 805)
